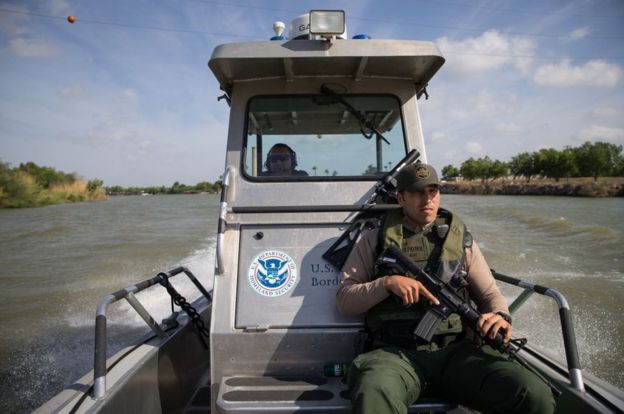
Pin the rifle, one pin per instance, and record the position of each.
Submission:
(446, 293)
(452, 302)
(384, 188)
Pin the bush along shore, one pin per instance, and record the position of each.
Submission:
(30, 185)
(576, 187)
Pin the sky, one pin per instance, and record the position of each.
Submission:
(125, 95)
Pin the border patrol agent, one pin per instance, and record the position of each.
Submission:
(282, 160)
(454, 365)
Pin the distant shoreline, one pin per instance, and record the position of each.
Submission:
(578, 187)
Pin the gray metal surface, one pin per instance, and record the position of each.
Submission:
(565, 318)
(311, 302)
(100, 352)
(158, 376)
(414, 61)
(246, 395)
(298, 331)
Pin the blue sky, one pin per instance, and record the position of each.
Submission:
(125, 94)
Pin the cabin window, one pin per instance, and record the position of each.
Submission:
(324, 137)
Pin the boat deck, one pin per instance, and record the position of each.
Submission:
(312, 394)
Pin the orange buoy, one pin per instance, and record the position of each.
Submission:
(71, 19)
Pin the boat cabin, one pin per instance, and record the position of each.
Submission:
(342, 113)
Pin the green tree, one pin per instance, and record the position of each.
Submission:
(115, 190)
(203, 186)
(470, 169)
(522, 165)
(498, 169)
(568, 163)
(18, 189)
(47, 176)
(95, 184)
(484, 166)
(598, 159)
(176, 188)
(370, 169)
(449, 172)
(5, 173)
(548, 163)
(618, 170)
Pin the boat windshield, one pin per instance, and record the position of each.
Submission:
(319, 138)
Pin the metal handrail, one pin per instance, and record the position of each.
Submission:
(225, 185)
(99, 365)
(314, 209)
(565, 317)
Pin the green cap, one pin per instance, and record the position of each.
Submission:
(416, 177)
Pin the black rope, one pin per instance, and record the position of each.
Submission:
(202, 332)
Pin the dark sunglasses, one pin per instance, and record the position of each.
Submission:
(279, 157)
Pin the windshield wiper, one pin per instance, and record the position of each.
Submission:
(357, 114)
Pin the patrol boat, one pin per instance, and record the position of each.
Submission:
(267, 334)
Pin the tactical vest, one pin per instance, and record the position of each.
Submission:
(438, 250)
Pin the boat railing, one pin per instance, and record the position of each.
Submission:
(99, 368)
(223, 207)
(565, 317)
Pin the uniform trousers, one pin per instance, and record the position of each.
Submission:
(389, 379)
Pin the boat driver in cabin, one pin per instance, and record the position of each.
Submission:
(282, 160)
(398, 369)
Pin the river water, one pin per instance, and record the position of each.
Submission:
(57, 262)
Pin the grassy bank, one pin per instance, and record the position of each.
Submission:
(31, 195)
(19, 188)
(574, 187)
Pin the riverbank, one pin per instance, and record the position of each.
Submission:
(31, 185)
(573, 187)
(32, 195)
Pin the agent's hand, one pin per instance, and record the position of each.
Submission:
(490, 323)
(408, 289)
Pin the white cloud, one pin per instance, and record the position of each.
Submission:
(73, 91)
(508, 128)
(601, 133)
(485, 105)
(490, 51)
(606, 111)
(439, 136)
(130, 94)
(578, 34)
(145, 144)
(59, 7)
(32, 48)
(593, 73)
(111, 131)
(450, 154)
(474, 148)
(15, 24)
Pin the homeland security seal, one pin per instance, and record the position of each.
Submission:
(272, 273)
